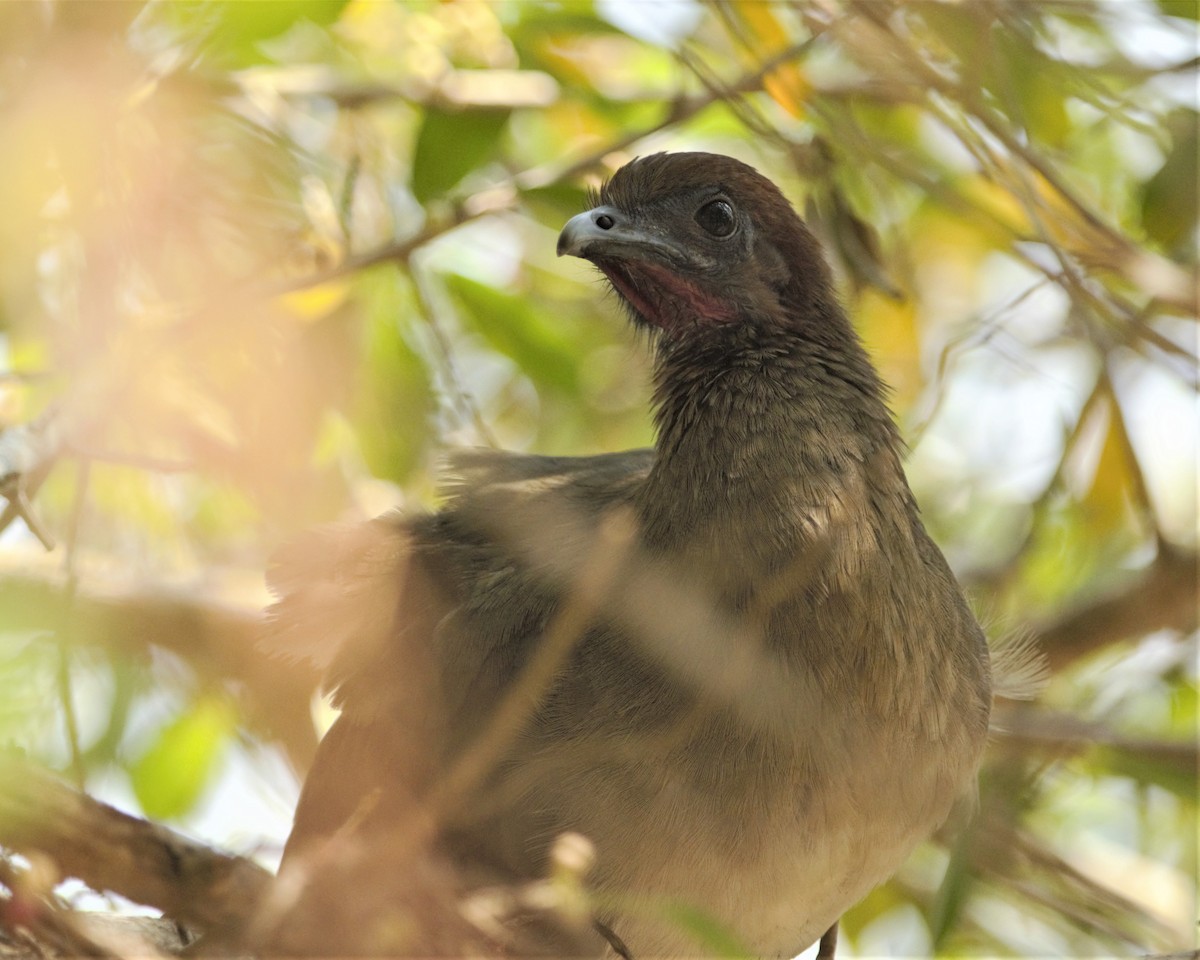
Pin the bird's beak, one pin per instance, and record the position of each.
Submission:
(582, 232)
(606, 232)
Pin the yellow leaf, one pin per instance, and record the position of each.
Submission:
(1107, 498)
(788, 87)
(786, 84)
(313, 303)
(889, 330)
(1003, 209)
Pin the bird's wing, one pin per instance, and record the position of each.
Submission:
(334, 587)
(419, 623)
(496, 478)
(346, 586)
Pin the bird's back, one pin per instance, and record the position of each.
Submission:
(768, 785)
(737, 663)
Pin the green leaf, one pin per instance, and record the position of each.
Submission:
(28, 673)
(879, 901)
(450, 144)
(395, 402)
(171, 775)
(556, 204)
(1030, 86)
(1170, 197)
(714, 937)
(954, 890)
(234, 28)
(527, 335)
(963, 28)
(1187, 9)
(1171, 766)
(537, 21)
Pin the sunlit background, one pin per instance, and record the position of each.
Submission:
(261, 264)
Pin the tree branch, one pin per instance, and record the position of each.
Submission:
(1163, 597)
(111, 850)
(219, 641)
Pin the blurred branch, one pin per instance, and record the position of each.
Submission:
(455, 89)
(218, 641)
(1090, 903)
(1043, 729)
(464, 399)
(27, 455)
(609, 550)
(353, 900)
(503, 196)
(1163, 597)
(71, 588)
(1163, 279)
(492, 200)
(110, 850)
(1015, 859)
(680, 110)
(35, 923)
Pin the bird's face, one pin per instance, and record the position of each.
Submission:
(692, 240)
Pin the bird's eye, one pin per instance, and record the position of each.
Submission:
(717, 218)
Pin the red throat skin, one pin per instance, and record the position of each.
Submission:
(677, 298)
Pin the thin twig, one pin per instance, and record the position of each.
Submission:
(463, 399)
(70, 590)
(609, 551)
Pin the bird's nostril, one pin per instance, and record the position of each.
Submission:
(605, 222)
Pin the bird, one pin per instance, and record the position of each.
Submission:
(736, 662)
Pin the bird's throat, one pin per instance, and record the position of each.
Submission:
(759, 431)
(665, 298)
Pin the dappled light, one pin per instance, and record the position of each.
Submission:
(267, 267)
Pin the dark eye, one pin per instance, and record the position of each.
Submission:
(717, 218)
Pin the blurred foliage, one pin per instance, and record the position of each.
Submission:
(264, 262)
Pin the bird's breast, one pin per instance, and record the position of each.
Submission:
(771, 841)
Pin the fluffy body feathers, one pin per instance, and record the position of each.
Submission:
(777, 689)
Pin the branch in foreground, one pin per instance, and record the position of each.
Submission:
(111, 850)
(349, 897)
(1163, 597)
(27, 453)
(217, 640)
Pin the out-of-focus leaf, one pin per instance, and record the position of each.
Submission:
(313, 303)
(787, 85)
(876, 903)
(450, 144)
(1002, 216)
(604, 71)
(1171, 198)
(235, 27)
(27, 683)
(714, 938)
(557, 203)
(516, 329)
(953, 892)
(1106, 502)
(961, 27)
(890, 331)
(1030, 86)
(1187, 9)
(395, 401)
(171, 775)
(136, 501)
(1062, 558)
(1148, 766)
(542, 22)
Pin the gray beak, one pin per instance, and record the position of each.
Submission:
(603, 226)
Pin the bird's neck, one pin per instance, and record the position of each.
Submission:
(783, 428)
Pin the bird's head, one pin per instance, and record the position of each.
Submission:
(694, 240)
